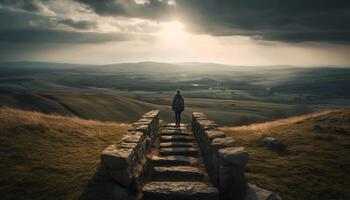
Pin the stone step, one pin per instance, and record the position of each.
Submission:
(175, 144)
(175, 132)
(174, 125)
(176, 128)
(179, 190)
(176, 138)
(178, 172)
(178, 151)
(173, 160)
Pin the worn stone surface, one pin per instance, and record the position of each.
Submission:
(178, 151)
(211, 134)
(256, 193)
(132, 138)
(174, 125)
(175, 144)
(198, 114)
(126, 160)
(176, 138)
(145, 120)
(178, 171)
(117, 158)
(206, 122)
(234, 155)
(175, 132)
(219, 143)
(179, 190)
(143, 128)
(274, 144)
(173, 160)
(209, 127)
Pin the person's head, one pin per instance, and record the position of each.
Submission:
(177, 91)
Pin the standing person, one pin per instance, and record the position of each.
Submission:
(178, 106)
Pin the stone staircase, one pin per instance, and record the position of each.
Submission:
(168, 162)
(177, 169)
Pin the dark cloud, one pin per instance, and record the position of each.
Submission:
(82, 24)
(274, 20)
(59, 36)
(152, 9)
(290, 21)
(29, 5)
(32, 28)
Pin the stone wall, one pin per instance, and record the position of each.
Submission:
(126, 160)
(224, 160)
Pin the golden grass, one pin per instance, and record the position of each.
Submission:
(50, 156)
(263, 128)
(317, 163)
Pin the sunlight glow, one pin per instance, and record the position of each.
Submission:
(174, 39)
(173, 30)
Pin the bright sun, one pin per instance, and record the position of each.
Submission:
(173, 32)
(173, 27)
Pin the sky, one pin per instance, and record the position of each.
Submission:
(236, 32)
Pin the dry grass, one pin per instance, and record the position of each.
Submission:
(317, 163)
(50, 156)
(264, 128)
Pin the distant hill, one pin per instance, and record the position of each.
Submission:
(316, 164)
(50, 156)
(230, 95)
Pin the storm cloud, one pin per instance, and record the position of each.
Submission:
(226, 31)
(323, 21)
(151, 9)
(287, 21)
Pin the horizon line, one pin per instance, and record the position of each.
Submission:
(176, 63)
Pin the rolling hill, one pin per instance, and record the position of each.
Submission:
(230, 95)
(316, 164)
(50, 156)
(96, 106)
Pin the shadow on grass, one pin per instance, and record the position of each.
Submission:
(102, 186)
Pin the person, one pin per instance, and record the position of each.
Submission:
(178, 106)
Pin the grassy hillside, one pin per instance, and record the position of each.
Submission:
(96, 106)
(49, 156)
(317, 163)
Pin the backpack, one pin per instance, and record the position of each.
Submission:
(178, 103)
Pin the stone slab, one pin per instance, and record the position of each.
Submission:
(174, 125)
(179, 190)
(173, 160)
(234, 155)
(219, 143)
(175, 144)
(176, 138)
(178, 151)
(116, 157)
(178, 171)
(256, 193)
(175, 132)
(211, 134)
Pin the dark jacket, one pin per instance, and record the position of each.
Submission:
(178, 103)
